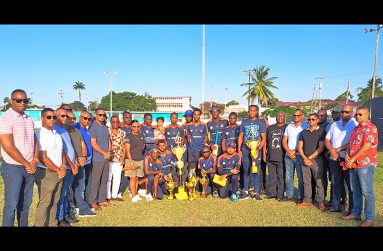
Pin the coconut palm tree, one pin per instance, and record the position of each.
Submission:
(260, 87)
(79, 86)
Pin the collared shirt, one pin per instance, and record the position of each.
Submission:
(231, 134)
(118, 140)
(171, 133)
(101, 134)
(227, 162)
(68, 147)
(86, 137)
(51, 142)
(197, 134)
(167, 161)
(215, 127)
(365, 133)
(339, 134)
(207, 164)
(22, 129)
(292, 132)
(153, 165)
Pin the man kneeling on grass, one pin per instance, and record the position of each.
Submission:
(153, 171)
(207, 162)
(228, 167)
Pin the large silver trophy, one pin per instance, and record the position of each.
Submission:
(178, 151)
(253, 144)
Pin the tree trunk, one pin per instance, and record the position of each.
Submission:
(79, 95)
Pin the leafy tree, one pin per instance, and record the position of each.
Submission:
(93, 105)
(233, 102)
(343, 96)
(364, 94)
(260, 89)
(129, 101)
(329, 106)
(79, 86)
(243, 115)
(78, 106)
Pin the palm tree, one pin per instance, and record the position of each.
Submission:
(79, 86)
(260, 88)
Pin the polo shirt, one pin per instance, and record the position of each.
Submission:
(292, 132)
(339, 134)
(68, 147)
(51, 142)
(101, 134)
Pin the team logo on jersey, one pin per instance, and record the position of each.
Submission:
(211, 128)
(147, 131)
(223, 163)
(204, 165)
(168, 133)
(227, 133)
(221, 125)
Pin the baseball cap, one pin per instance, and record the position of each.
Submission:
(215, 107)
(154, 149)
(231, 144)
(188, 113)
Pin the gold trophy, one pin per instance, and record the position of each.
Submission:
(178, 151)
(204, 181)
(253, 144)
(170, 185)
(191, 184)
(215, 151)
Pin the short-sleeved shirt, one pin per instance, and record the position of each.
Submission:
(127, 130)
(22, 128)
(252, 129)
(207, 164)
(171, 133)
(227, 162)
(215, 127)
(197, 134)
(51, 142)
(167, 160)
(68, 147)
(362, 134)
(311, 140)
(101, 134)
(231, 133)
(86, 138)
(148, 133)
(326, 126)
(136, 145)
(339, 134)
(275, 150)
(118, 140)
(292, 132)
(153, 165)
(76, 138)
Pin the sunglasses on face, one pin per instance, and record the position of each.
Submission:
(19, 100)
(64, 116)
(85, 118)
(311, 119)
(102, 114)
(359, 114)
(206, 152)
(72, 118)
(114, 122)
(321, 115)
(296, 115)
(347, 112)
(68, 109)
(135, 126)
(50, 117)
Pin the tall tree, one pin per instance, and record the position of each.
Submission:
(128, 101)
(364, 94)
(233, 102)
(260, 88)
(343, 96)
(78, 106)
(79, 86)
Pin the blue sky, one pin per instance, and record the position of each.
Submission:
(167, 59)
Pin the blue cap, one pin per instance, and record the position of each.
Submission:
(188, 113)
(231, 144)
(215, 107)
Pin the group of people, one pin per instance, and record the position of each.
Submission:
(81, 166)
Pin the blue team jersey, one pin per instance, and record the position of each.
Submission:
(206, 164)
(197, 134)
(252, 129)
(86, 137)
(167, 161)
(231, 134)
(226, 162)
(148, 133)
(214, 127)
(171, 133)
(154, 166)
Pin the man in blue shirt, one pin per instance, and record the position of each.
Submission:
(172, 131)
(251, 129)
(148, 131)
(215, 126)
(231, 132)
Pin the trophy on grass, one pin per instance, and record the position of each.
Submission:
(204, 181)
(191, 184)
(253, 144)
(178, 151)
(170, 185)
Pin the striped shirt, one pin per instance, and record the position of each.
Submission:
(22, 128)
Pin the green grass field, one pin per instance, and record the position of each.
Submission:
(216, 212)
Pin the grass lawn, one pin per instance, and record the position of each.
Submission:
(216, 212)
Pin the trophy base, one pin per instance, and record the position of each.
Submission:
(204, 196)
(170, 197)
(254, 169)
(181, 195)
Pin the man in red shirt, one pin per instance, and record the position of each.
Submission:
(361, 158)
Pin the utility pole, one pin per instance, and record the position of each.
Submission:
(319, 89)
(348, 91)
(226, 90)
(61, 93)
(312, 99)
(203, 71)
(212, 96)
(31, 98)
(110, 75)
(248, 72)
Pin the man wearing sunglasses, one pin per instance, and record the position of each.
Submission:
(20, 157)
(337, 140)
(101, 144)
(310, 147)
(64, 216)
(361, 159)
(84, 184)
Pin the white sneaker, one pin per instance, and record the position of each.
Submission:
(135, 199)
(77, 210)
(120, 196)
(142, 192)
(149, 197)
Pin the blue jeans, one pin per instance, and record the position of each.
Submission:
(246, 163)
(18, 191)
(362, 183)
(291, 165)
(79, 189)
(63, 207)
(88, 183)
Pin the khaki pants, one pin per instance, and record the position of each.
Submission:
(49, 189)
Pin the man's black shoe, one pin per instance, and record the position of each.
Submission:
(284, 199)
(64, 223)
(333, 210)
(271, 197)
(71, 219)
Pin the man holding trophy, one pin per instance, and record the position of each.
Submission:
(216, 126)
(207, 164)
(252, 137)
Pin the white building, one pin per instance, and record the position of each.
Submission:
(235, 108)
(173, 103)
